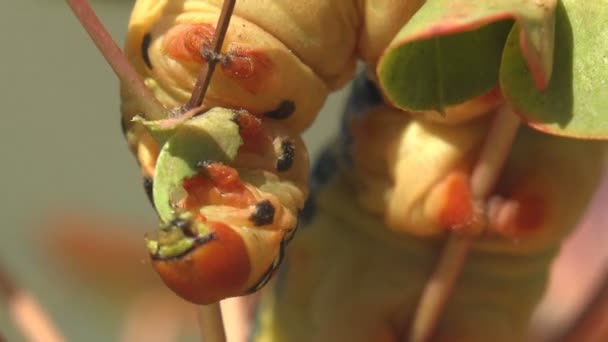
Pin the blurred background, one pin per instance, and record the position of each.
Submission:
(70, 187)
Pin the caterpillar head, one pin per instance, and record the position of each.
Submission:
(227, 188)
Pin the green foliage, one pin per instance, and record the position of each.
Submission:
(450, 51)
(212, 136)
(441, 71)
(575, 102)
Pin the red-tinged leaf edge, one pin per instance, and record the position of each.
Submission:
(451, 50)
(575, 103)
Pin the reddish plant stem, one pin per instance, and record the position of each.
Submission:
(210, 316)
(439, 287)
(211, 323)
(204, 77)
(153, 109)
(27, 313)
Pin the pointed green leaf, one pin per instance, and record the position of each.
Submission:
(213, 136)
(162, 130)
(450, 51)
(575, 102)
(156, 128)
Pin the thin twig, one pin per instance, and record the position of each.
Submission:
(496, 150)
(26, 312)
(210, 316)
(154, 315)
(439, 287)
(153, 109)
(211, 323)
(204, 77)
(592, 324)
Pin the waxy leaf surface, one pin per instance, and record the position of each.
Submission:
(575, 103)
(212, 136)
(450, 51)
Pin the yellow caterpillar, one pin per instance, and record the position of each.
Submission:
(382, 217)
(269, 68)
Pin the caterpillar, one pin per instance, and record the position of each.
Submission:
(227, 189)
(366, 282)
(229, 184)
(263, 72)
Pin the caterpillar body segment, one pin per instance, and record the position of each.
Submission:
(256, 71)
(417, 162)
(322, 34)
(327, 36)
(365, 281)
(276, 62)
(228, 191)
(426, 169)
(371, 257)
(274, 52)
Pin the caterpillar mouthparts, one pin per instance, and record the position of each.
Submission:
(226, 199)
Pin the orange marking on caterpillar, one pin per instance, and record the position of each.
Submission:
(217, 184)
(522, 212)
(250, 68)
(201, 217)
(184, 42)
(531, 212)
(214, 270)
(252, 132)
(457, 210)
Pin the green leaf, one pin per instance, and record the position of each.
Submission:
(450, 51)
(575, 103)
(162, 130)
(212, 136)
(157, 130)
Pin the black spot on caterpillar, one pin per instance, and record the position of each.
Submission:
(203, 165)
(185, 226)
(263, 213)
(285, 109)
(148, 186)
(285, 160)
(145, 45)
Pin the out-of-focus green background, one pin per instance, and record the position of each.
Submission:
(61, 150)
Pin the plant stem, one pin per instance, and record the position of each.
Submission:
(210, 316)
(439, 287)
(26, 312)
(496, 150)
(153, 109)
(211, 323)
(204, 77)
